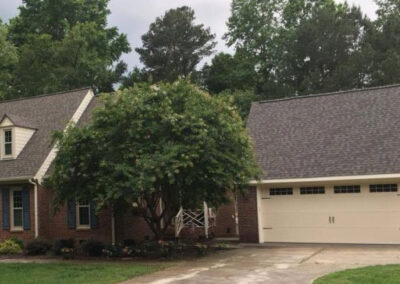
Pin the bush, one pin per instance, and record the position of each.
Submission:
(37, 247)
(10, 247)
(18, 241)
(93, 248)
(63, 243)
(112, 251)
(129, 243)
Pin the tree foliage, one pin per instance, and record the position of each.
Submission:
(8, 60)
(64, 45)
(384, 44)
(241, 99)
(137, 75)
(229, 72)
(174, 45)
(301, 47)
(170, 142)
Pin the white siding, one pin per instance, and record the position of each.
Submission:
(22, 136)
(6, 122)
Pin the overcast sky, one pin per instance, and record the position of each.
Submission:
(133, 17)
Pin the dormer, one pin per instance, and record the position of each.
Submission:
(15, 132)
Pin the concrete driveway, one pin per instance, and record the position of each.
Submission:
(274, 264)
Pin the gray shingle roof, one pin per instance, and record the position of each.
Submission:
(21, 121)
(337, 134)
(47, 113)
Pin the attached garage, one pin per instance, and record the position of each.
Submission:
(330, 169)
(330, 214)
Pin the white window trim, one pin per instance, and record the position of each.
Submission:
(13, 228)
(3, 143)
(78, 225)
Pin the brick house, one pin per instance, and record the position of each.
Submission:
(26, 156)
(330, 169)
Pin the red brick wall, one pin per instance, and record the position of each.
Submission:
(132, 227)
(54, 226)
(25, 235)
(248, 216)
(225, 218)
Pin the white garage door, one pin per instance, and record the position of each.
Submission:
(368, 214)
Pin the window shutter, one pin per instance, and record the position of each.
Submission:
(6, 208)
(71, 213)
(94, 220)
(26, 208)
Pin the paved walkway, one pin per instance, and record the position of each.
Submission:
(273, 264)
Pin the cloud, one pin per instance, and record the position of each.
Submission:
(133, 17)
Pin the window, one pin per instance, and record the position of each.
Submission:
(346, 189)
(281, 191)
(16, 209)
(8, 151)
(312, 190)
(383, 188)
(83, 214)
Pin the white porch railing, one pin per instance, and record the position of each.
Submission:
(179, 222)
(199, 218)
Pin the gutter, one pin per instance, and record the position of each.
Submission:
(23, 178)
(327, 179)
(35, 202)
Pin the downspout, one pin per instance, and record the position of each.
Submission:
(35, 205)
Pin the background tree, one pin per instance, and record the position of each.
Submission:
(137, 75)
(229, 72)
(66, 44)
(241, 99)
(174, 45)
(300, 47)
(384, 44)
(324, 49)
(8, 60)
(173, 143)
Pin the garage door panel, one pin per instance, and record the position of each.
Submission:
(296, 219)
(368, 218)
(332, 235)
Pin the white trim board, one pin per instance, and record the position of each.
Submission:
(327, 179)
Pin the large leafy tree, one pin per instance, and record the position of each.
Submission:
(66, 44)
(8, 60)
(172, 143)
(174, 45)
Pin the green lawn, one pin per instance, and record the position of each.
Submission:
(382, 274)
(72, 272)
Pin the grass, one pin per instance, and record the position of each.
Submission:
(381, 274)
(72, 272)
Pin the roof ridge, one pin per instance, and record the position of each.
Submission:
(45, 95)
(329, 93)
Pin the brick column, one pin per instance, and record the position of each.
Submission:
(248, 216)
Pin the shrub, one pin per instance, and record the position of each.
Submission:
(112, 251)
(18, 241)
(67, 253)
(93, 248)
(10, 247)
(63, 243)
(38, 247)
(129, 243)
(202, 249)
